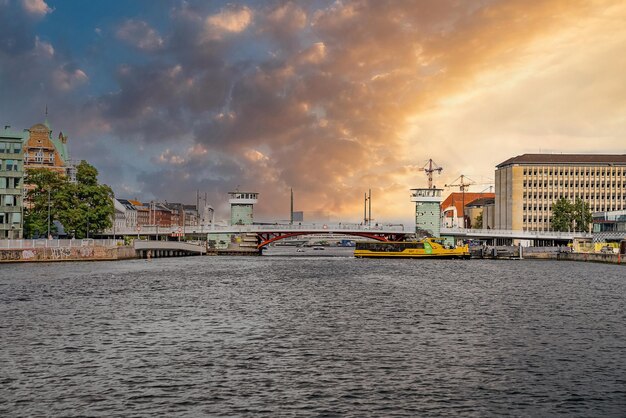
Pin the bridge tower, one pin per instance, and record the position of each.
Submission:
(241, 207)
(427, 211)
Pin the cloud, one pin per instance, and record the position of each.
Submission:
(66, 78)
(335, 99)
(228, 21)
(36, 8)
(140, 35)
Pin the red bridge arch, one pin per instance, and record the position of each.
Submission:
(269, 237)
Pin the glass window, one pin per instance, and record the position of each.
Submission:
(17, 218)
(3, 183)
(17, 148)
(2, 146)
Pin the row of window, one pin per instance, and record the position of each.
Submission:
(10, 148)
(9, 165)
(9, 200)
(10, 182)
(572, 183)
(586, 196)
(10, 218)
(586, 171)
(535, 207)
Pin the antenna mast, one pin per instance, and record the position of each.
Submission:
(429, 168)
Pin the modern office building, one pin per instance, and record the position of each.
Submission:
(11, 184)
(528, 185)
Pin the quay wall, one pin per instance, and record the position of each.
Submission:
(569, 256)
(88, 253)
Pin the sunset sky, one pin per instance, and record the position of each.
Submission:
(329, 97)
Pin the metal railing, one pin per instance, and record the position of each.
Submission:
(507, 233)
(312, 227)
(58, 243)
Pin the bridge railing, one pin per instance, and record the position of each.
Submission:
(204, 229)
(508, 233)
(57, 243)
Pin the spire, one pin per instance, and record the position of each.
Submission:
(46, 120)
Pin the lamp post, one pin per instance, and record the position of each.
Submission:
(49, 236)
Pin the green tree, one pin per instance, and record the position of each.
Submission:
(478, 222)
(87, 206)
(42, 199)
(82, 208)
(581, 215)
(561, 215)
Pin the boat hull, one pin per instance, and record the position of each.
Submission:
(426, 248)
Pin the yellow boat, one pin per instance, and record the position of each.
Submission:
(426, 248)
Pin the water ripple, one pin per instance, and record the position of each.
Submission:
(276, 336)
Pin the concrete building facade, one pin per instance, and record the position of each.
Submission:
(11, 184)
(528, 185)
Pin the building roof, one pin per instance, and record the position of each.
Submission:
(483, 201)
(607, 159)
(457, 199)
(7, 133)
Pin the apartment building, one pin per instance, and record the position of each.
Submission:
(11, 184)
(528, 185)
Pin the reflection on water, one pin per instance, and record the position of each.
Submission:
(312, 336)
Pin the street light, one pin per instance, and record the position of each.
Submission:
(49, 214)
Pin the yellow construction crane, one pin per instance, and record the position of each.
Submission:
(429, 168)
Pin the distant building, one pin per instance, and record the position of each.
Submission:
(142, 212)
(614, 221)
(298, 216)
(528, 185)
(452, 209)
(484, 206)
(130, 213)
(42, 150)
(11, 184)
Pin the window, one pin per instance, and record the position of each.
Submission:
(2, 146)
(9, 200)
(3, 182)
(17, 148)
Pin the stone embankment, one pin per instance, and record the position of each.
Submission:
(545, 253)
(15, 251)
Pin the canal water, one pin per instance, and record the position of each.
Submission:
(312, 336)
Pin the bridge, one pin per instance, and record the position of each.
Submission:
(269, 233)
(148, 249)
(513, 234)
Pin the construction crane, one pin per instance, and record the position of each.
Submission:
(429, 168)
(462, 185)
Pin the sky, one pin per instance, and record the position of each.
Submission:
(330, 98)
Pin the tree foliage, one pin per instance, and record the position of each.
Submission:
(570, 216)
(478, 222)
(42, 200)
(82, 208)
